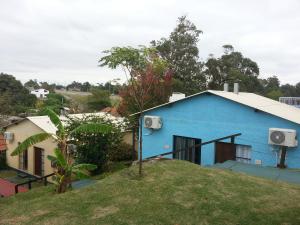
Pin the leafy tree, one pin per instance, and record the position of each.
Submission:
(32, 84)
(85, 87)
(95, 148)
(140, 65)
(63, 158)
(99, 99)
(180, 50)
(288, 90)
(53, 101)
(47, 86)
(232, 67)
(14, 96)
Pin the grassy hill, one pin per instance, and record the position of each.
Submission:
(171, 192)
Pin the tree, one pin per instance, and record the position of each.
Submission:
(14, 96)
(95, 148)
(140, 65)
(180, 50)
(63, 159)
(99, 99)
(160, 88)
(32, 84)
(85, 87)
(53, 101)
(232, 67)
(47, 86)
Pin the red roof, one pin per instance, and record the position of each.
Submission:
(111, 110)
(2, 143)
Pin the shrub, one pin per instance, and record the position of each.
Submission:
(122, 152)
(94, 149)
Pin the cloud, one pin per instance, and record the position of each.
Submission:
(62, 40)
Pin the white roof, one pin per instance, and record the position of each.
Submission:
(255, 101)
(45, 123)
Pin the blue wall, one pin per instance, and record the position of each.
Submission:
(209, 117)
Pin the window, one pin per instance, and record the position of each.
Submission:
(23, 160)
(243, 153)
(187, 149)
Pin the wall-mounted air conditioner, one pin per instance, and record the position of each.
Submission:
(283, 137)
(153, 122)
(9, 136)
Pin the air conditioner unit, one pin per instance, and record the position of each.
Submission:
(283, 137)
(153, 122)
(9, 136)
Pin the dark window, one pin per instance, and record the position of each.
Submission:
(186, 148)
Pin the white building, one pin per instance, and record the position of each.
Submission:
(40, 93)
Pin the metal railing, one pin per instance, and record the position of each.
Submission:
(232, 137)
(29, 182)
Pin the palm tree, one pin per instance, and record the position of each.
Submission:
(62, 158)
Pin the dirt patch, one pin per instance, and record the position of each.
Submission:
(101, 212)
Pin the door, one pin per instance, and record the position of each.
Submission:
(186, 148)
(224, 152)
(38, 161)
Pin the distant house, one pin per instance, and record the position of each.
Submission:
(294, 101)
(40, 93)
(186, 123)
(34, 160)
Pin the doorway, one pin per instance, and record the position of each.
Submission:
(225, 151)
(188, 149)
(38, 161)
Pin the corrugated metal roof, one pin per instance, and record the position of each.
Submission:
(252, 100)
(45, 123)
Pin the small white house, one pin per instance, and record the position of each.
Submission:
(40, 93)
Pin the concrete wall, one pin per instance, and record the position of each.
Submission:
(22, 131)
(209, 117)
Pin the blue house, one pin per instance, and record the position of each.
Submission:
(209, 115)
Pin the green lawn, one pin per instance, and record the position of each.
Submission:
(171, 192)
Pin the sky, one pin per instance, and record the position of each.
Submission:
(62, 40)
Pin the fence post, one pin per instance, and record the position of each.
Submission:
(45, 181)
(16, 189)
(29, 185)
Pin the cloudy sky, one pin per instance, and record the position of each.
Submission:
(61, 40)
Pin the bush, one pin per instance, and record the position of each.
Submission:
(95, 148)
(123, 152)
(3, 164)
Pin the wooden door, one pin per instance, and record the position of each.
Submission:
(38, 161)
(224, 152)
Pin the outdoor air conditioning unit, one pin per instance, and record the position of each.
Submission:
(9, 136)
(283, 137)
(153, 122)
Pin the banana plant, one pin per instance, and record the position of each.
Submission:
(63, 160)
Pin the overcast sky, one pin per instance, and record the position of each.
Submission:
(62, 40)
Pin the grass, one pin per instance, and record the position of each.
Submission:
(7, 173)
(170, 192)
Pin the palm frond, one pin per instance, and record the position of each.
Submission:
(52, 158)
(92, 128)
(85, 166)
(55, 120)
(32, 140)
(60, 159)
